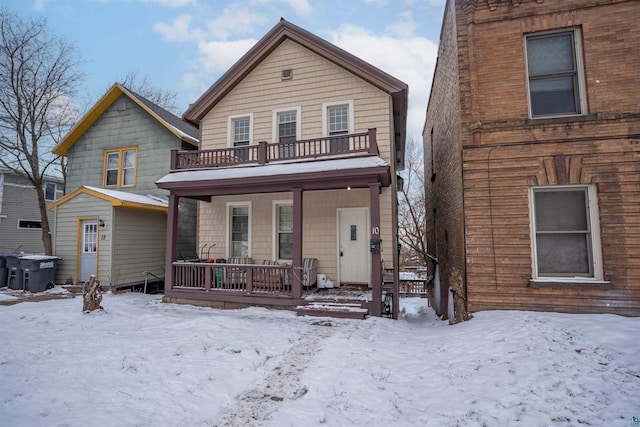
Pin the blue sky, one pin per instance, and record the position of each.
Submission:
(185, 45)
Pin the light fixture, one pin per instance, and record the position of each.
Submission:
(101, 223)
(348, 187)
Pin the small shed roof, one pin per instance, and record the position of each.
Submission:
(117, 199)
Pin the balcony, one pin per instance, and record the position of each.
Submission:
(337, 146)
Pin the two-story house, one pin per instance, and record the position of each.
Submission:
(20, 222)
(532, 157)
(300, 142)
(112, 221)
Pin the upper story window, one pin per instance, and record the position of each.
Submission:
(287, 129)
(50, 191)
(565, 232)
(120, 167)
(337, 119)
(555, 74)
(240, 133)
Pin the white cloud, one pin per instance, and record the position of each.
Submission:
(300, 7)
(171, 3)
(235, 20)
(410, 59)
(405, 26)
(178, 30)
(218, 56)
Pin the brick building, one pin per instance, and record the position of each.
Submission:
(532, 157)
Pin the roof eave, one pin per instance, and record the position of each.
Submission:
(278, 34)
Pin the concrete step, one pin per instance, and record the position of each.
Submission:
(332, 309)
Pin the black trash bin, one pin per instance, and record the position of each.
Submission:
(3, 270)
(14, 272)
(39, 272)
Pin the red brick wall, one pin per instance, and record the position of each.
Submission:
(443, 168)
(504, 153)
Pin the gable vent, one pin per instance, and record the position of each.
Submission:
(287, 74)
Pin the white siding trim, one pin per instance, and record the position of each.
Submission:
(325, 117)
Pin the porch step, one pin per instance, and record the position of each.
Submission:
(333, 309)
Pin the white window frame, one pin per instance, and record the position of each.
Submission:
(275, 229)
(325, 115)
(581, 87)
(231, 128)
(592, 201)
(275, 118)
(231, 205)
(90, 228)
(29, 228)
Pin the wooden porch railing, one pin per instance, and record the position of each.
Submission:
(238, 278)
(263, 152)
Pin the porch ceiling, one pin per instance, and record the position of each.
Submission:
(356, 172)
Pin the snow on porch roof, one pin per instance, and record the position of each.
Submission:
(281, 168)
(117, 199)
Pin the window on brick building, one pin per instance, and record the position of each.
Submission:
(555, 75)
(565, 232)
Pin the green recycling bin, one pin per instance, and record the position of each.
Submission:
(220, 272)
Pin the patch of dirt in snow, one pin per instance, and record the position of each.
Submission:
(255, 406)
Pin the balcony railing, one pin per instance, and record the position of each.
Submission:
(263, 152)
(245, 279)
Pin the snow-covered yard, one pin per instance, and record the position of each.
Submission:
(143, 363)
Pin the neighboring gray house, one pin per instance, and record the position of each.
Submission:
(20, 222)
(112, 222)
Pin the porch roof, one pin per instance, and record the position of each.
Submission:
(327, 174)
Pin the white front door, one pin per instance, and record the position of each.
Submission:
(353, 250)
(88, 249)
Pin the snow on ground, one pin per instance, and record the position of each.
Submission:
(141, 362)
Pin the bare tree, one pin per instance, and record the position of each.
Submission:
(412, 210)
(38, 78)
(142, 86)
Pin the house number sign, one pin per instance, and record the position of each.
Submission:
(375, 231)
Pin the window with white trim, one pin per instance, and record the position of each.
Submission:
(26, 224)
(565, 232)
(284, 231)
(90, 237)
(337, 119)
(239, 221)
(287, 130)
(240, 133)
(555, 74)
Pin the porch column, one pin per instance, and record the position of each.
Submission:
(297, 244)
(376, 258)
(172, 235)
